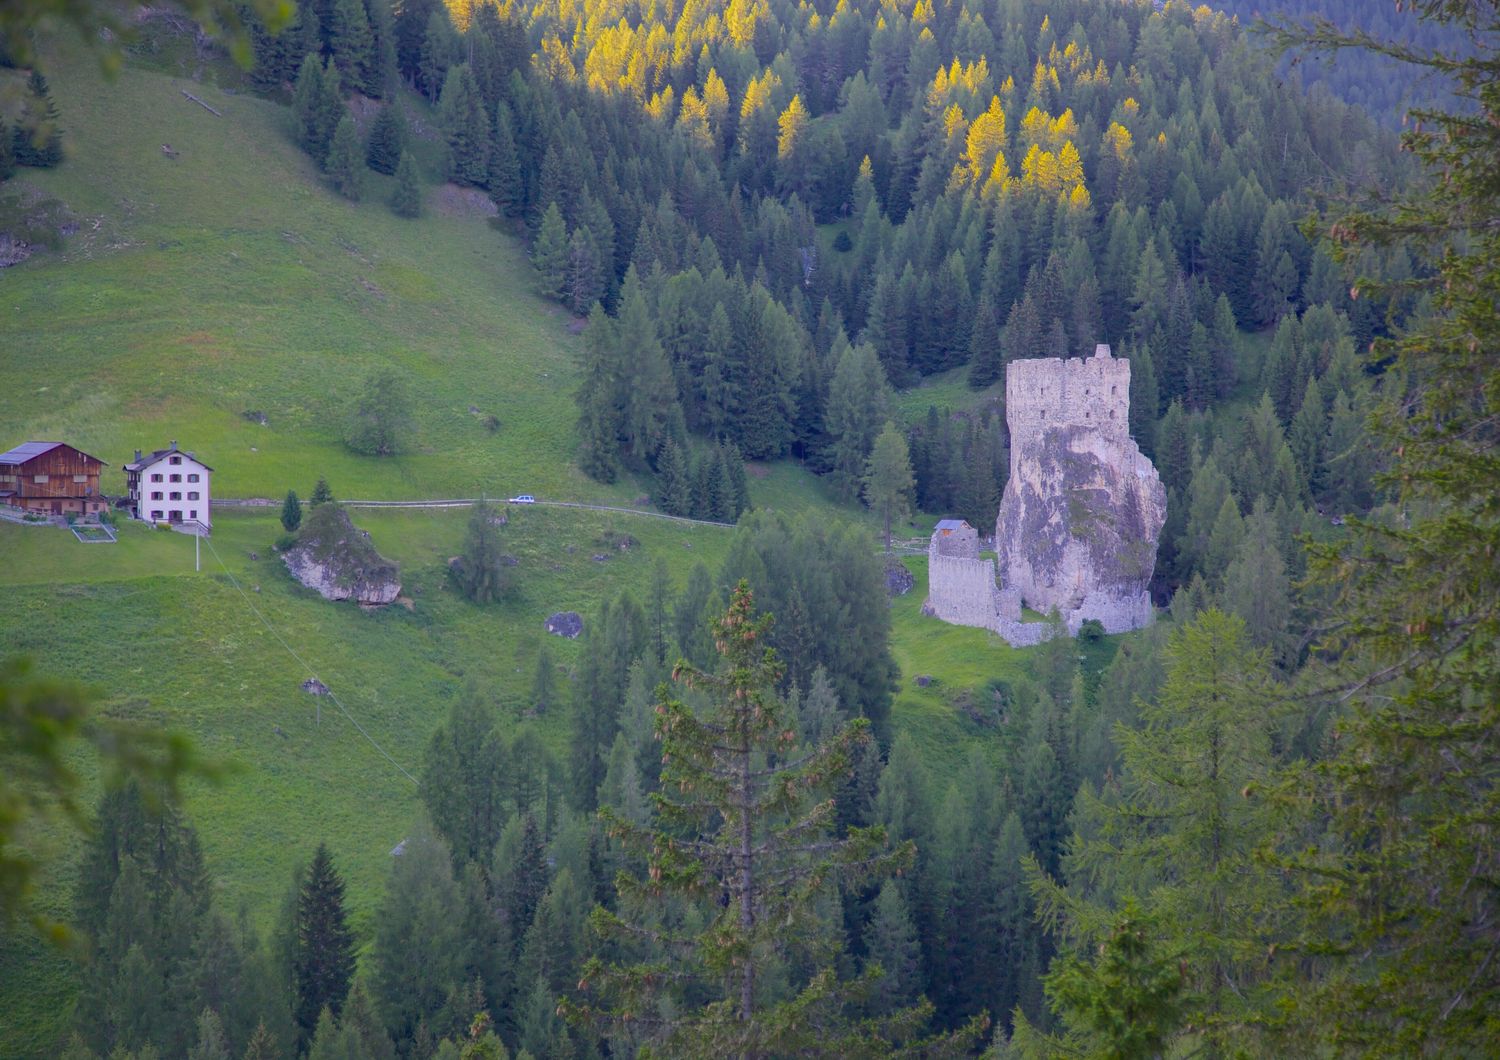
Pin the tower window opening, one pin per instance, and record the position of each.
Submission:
(1113, 390)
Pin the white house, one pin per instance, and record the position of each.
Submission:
(169, 486)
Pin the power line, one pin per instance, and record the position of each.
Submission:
(305, 665)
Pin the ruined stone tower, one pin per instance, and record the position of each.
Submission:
(1083, 508)
(1080, 517)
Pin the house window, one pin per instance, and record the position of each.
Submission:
(193, 514)
(193, 477)
(155, 515)
(80, 478)
(174, 478)
(193, 495)
(38, 478)
(156, 477)
(7, 478)
(156, 495)
(175, 460)
(175, 496)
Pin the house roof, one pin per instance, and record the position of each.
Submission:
(953, 524)
(31, 450)
(152, 457)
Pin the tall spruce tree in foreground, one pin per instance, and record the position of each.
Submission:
(738, 838)
(1183, 834)
(291, 512)
(1408, 893)
(323, 958)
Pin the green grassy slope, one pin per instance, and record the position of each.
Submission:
(230, 278)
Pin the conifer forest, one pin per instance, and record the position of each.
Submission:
(780, 256)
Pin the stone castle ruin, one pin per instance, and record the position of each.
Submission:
(1080, 516)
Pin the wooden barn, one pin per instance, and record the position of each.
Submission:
(51, 478)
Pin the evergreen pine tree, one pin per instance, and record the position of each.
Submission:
(406, 200)
(482, 574)
(307, 107)
(350, 42)
(748, 827)
(673, 490)
(888, 481)
(345, 164)
(387, 140)
(504, 175)
(543, 684)
(550, 253)
(321, 494)
(467, 127)
(291, 512)
(262, 1045)
(891, 942)
(37, 138)
(323, 962)
(7, 151)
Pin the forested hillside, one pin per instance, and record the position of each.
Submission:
(1384, 88)
(780, 213)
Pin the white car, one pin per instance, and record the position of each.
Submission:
(524, 498)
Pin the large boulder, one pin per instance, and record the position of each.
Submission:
(335, 558)
(1084, 507)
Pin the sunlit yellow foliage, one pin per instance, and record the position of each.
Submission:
(662, 105)
(758, 94)
(1069, 167)
(987, 139)
(1117, 139)
(553, 61)
(1057, 173)
(1079, 200)
(1131, 107)
(692, 120)
(716, 101)
(922, 14)
(791, 127)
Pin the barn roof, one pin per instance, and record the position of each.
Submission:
(31, 450)
(953, 524)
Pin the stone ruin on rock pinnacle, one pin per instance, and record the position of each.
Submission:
(1080, 517)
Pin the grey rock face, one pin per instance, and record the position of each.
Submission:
(1083, 509)
(337, 561)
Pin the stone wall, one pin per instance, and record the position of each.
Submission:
(1050, 392)
(964, 592)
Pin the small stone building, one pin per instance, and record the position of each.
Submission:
(955, 537)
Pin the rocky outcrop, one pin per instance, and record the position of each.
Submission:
(335, 558)
(1082, 511)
